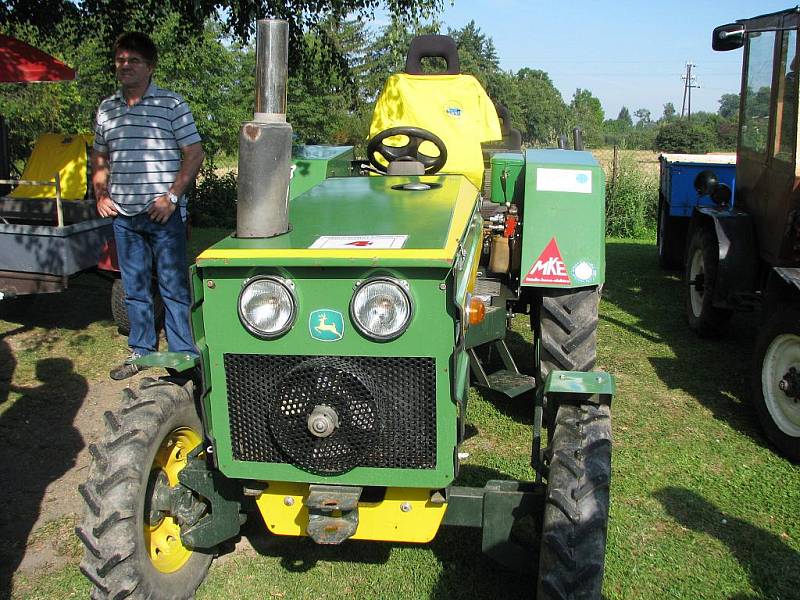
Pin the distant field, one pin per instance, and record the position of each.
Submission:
(645, 159)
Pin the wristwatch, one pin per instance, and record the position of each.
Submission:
(172, 197)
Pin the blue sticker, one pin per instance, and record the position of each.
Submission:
(581, 178)
(454, 111)
(584, 271)
(326, 325)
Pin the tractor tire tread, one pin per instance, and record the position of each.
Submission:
(566, 324)
(114, 561)
(575, 519)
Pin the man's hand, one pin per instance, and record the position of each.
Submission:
(161, 209)
(105, 207)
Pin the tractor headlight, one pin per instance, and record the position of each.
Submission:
(381, 308)
(267, 306)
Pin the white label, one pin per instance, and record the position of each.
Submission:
(564, 180)
(360, 242)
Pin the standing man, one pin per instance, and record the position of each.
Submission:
(146, 153)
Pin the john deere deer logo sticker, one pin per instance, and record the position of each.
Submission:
(326, 325)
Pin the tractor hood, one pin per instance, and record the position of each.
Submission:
(363, 221)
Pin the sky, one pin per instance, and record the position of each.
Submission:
(626, 53)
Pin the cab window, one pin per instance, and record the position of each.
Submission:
(757, 91)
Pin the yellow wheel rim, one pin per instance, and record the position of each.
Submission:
(163, 539)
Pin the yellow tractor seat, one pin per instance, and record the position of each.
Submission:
(452, 105)
(57, 153)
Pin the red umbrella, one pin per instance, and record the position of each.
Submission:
(21, 63)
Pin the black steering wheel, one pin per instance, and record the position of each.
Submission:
(415, 135)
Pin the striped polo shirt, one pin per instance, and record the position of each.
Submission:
(143, 143)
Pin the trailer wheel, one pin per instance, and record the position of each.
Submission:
(670, 237)
(120, 312)
(565, 322)
(132, 541)
(776, 380)
(575, 520)
(701, 273)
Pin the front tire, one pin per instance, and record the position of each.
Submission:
(702, 261)
(131, 549)
(575, 521)
(776, 380)
(565, 323)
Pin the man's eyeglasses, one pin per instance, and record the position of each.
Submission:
(132, 61)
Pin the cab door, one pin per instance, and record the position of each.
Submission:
(766, 162)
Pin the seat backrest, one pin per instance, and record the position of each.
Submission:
(54, 153)
(450, 104)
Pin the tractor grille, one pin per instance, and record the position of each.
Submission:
(386, 409)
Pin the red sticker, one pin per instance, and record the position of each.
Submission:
(549, 268)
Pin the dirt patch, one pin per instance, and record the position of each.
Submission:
(44, 441)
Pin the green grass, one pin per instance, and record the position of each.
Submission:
(701, 506)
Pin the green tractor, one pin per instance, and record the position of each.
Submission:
(338, 328)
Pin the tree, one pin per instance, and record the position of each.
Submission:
(643, 116)
(624, 117)
(683, 137)
(236, 17)
(669, 111)
(538, 106)
(476, 52)
(729, 106)
(587, 113)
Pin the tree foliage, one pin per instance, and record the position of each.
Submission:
(729, 106)
(338, 66)
(587, 113)
(237, 17)
(683, 136)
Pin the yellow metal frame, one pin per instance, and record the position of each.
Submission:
(404, 515)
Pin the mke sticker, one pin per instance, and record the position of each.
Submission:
(326, 325)
(549, 268)
(360, 242)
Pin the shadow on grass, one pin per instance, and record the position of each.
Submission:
(715, 372)
(38, 444)
(465, 571)
(86, 301)
(762, 555)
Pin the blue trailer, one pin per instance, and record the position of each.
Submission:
(678, 198)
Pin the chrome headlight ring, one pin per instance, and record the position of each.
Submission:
(267, 306)
(381, 308)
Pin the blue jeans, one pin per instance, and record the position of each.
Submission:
(142, 243)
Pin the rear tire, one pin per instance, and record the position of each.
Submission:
(702, 260)
(120, 312)
(777, 353)
(671, 237)
(130, 551)
(575, 521)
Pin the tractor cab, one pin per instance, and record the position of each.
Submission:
(747, 256)
(767, 168)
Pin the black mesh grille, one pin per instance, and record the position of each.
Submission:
(386, 409)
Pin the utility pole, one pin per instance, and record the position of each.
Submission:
(689, 82)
